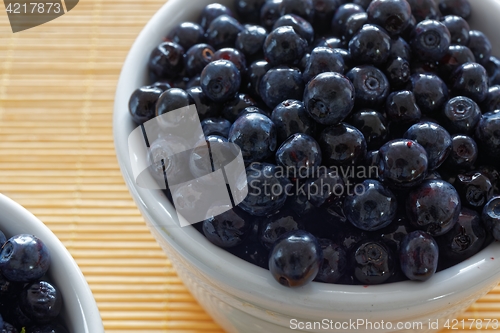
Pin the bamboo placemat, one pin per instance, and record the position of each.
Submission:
(57, 84)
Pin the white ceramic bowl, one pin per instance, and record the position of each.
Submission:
(79, 312)
(242, 297)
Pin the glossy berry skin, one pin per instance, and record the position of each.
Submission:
(492, 66)
(488, 135)
(279, 84)
(480, 45)
(434, 138)
(187, 34)
(373, 209)
(206, 108)
(48, 328)
(253, 109)
(142, 103)
(324, 187)
(373, 126)
(302, 8)
(220, 80)
(492, 100)
(216, 126)
(394, 233)
(299, 152)
(255, 134)
(283, 46)
(460, 8)
(211, 12)
(249, 9)
(400, 49)
(464, 152)
(424, 9)
(430, 40)
(321, 60)
(291, 117)
(401, 107)
(254, 75)
(465, 239)
(431, 93)
(331, 42)
(459, 29)
(166, 60)
(433, 207)
(40, 301)
(456, 56)
(419, 256)
(370, 45)
(392, 15)
(475, 189)
(233, 55)
(251, 40)
(341, 16)
(233, 108)
(370, 84)
(398, 72)
(323, 14)
(223, 32)
(24, 258)
(275, 226)
(353, 24)
(471, 80)
(491, 217)
(295, 259)
(301, 26)
(373, 263)
(172, 100)
(228, 229)
(197, 57)
(461, 115)
(342, 144)
(402, 163)
(270, 13)
(334, 264)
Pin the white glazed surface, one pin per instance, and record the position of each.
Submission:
(242, 297)
(79, 307)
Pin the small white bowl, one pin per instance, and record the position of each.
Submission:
(79, 312)
(242, 297)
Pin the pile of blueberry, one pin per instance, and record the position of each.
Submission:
(28, 302)
(370, 131)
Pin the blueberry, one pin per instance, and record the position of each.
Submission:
(163, 85)
(419, 256)
(299, 152)
(301, 26)
(228, 229)
(303, 8)
(392, 15)
(435, 140)
(353, 24)
(394, 233)
(430, 40)
(433, 207)
(187, 34)
(172, 100)
(295, 259)
(370, 84)
(223, 31)
(283, 46)
(464, 152)
(346, 56)
(206, 108)
(460, 8)
(342, 144)
(200, 164)
(197, 57)
(142, 103)
(471, 80)
(372, 160)
(372, 209)
(418, 66)
(249, 9)
(459, 29)
(291, 117)
(363, 3)
(398, 72)
(492, 100)
(341, 16)
(254, 109)
(324, 187)
(331, 42)
(233, 108)
(220, 80)
(233, 55)
(254, 253)
(255, 134)
(480, 45)
(402, 108)
(334, 264)
(251, 40)
(488, 135)
(424, 9)
(491, 217)
(321, 60)
(373, 263)
(403, 163)
(163, 160)
(49, 328)
(254, 74)
(166, 60)
(323, 14)
(461, 115)
(24, 258)
(431, 93)
(400, 49)
(40, 301)
(456, 56)
(270, 13)
(195, 81)
(492, 66)
(370, 45)
(475, 189)
(279, 84)
(373, 126)
(275, 226)
(211, 12)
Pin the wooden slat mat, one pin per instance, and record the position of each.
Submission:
(57, 84)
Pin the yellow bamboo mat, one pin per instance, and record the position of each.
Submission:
(57, 83)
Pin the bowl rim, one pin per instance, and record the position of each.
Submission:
(259, 287)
